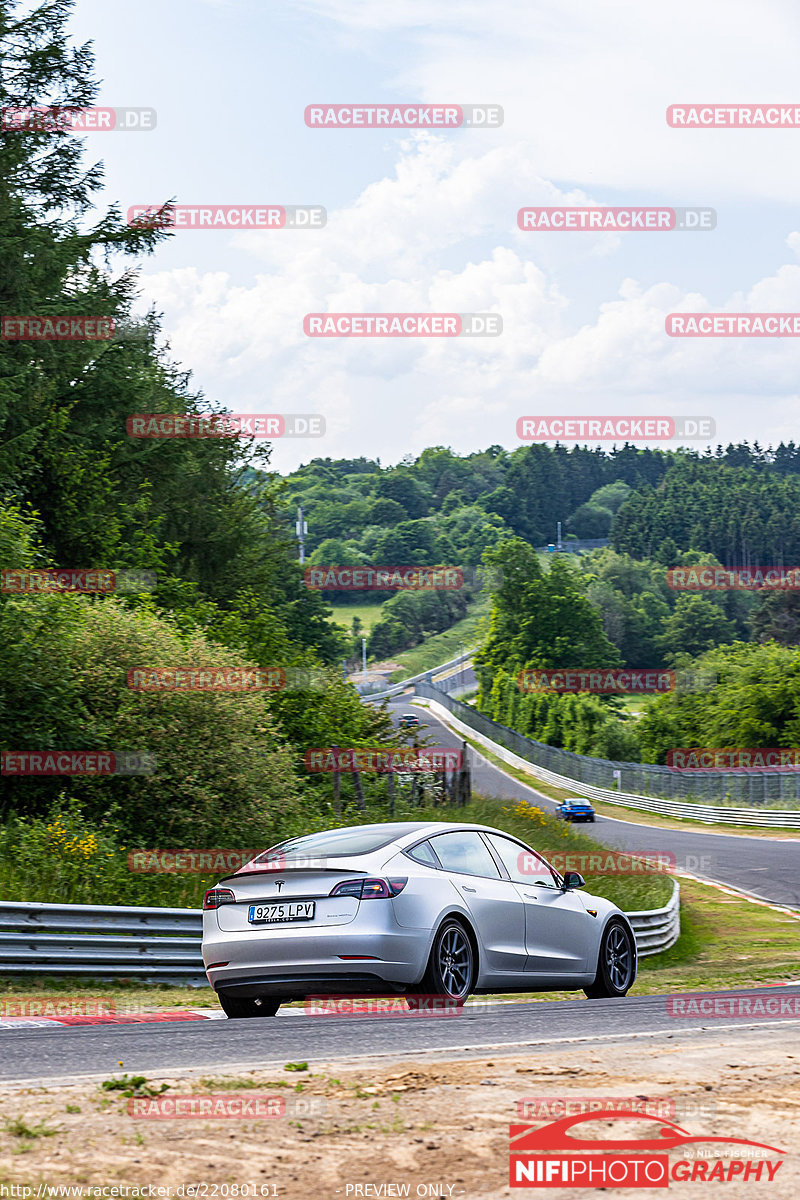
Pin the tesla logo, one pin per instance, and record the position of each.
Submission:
(279, 884)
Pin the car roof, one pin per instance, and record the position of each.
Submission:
(413, 830)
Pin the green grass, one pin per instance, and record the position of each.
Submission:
(726, 942)
(462, 636)
(369, 614)
(19, 1128)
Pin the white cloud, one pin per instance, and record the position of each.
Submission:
(391, 252)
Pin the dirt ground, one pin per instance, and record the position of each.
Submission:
(378, 1127)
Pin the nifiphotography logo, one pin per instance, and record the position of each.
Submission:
(562, 1153)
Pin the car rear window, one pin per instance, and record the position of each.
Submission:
(340, 842)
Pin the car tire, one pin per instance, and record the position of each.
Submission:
(591, 819)
(616, 962)
(452, 966)
(257, 1006)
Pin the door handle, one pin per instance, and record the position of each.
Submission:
(467, 889)
(530, 896)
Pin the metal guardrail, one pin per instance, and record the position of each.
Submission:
(402, 684)
(102, 941)
(657, 929)
(524, 752)
(110, 942)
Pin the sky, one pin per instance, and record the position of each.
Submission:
(426, 221)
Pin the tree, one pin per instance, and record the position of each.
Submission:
(219, 757)
(185, 507)
(777, 618)
(388, 635)
(386, 512)
(539, 619)
(696, 625)
(406, 491)
(590, 521)
(755, 703)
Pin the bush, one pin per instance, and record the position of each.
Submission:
(222, 774)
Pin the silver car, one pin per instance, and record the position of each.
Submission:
(420, 907)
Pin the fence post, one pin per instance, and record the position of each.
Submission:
(359, 791)
(337, 783)
(464, 782)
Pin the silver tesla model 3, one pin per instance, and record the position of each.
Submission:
(425, 907)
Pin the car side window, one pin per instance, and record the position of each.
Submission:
(424, 854)
(463, 851)
(524, 866)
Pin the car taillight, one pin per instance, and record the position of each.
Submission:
(350, 887)
(216, 896)
(370, 889)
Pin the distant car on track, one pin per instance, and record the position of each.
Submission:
(428, 907)
(575, 810)
(409, 721)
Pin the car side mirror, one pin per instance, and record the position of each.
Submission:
(573, 880)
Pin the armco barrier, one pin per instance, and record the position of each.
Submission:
(657, 929)
(523, 752)
(109, 942)
(154, 945)
(402, 684)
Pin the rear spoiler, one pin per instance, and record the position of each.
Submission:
(244, 873)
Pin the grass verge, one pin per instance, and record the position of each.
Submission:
(368, 614)
(441, 647)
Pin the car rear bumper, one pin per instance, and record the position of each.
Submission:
(298, 987)
(391, 955)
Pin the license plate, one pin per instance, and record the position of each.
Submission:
(289, 910)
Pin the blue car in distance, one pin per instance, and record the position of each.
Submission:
(575, 810)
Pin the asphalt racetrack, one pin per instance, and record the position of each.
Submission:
(768, 868)
(66, 1053)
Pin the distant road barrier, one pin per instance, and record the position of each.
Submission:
(402, 684)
